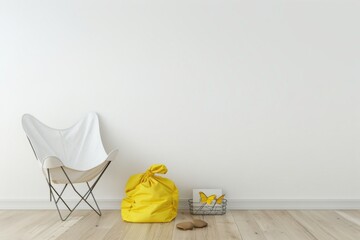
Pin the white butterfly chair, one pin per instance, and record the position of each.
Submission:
(69, 156)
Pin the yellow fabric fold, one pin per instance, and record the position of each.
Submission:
(150, 198)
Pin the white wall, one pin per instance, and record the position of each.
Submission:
(260, 98)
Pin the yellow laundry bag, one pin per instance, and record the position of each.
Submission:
(150, 198)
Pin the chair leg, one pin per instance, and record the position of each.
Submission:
(52, 189)
(97, 206)
(48, 174)
(82, 197)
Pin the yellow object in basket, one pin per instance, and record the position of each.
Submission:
(150, 198)
(206, 199)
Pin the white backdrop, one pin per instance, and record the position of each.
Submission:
(260, 98)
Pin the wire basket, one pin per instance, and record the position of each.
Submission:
(197, 208)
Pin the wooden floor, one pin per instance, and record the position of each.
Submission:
(246, 225)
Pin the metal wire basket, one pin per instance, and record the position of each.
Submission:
(197, 208)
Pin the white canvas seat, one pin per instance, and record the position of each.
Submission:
(68, 156)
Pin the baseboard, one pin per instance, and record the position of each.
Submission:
(254, 204)
(233, 204)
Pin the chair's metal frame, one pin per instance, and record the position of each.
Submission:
(83, 197)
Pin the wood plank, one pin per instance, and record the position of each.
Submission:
(166, 231)
(280, 225)
(311, 225)
(326, 225)
(156, 230)
(51, 226)
(123, 230)
(226, 218)
(102, 227)
(34, 225)
(16, 224)
(242, 225)
(118, 230)
(80, 228)
(247, 226)
(178, 234)
(137, 231)
(221, 227)
(350, 215)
